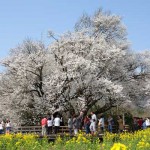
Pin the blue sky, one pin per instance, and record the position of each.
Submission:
(21, 19)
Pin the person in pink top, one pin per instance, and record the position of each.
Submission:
(44, 126)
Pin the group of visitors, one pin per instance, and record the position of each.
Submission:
(5, 127)
(48, 123)
(90, 123)
(78, 122)
(140, 123)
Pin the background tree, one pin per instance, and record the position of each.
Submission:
(22, 83)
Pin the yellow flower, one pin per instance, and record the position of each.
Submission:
(119, 146)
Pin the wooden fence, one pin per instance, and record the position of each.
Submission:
(62, 129)
(37, 129)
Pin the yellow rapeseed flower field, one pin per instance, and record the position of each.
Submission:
(139, 140)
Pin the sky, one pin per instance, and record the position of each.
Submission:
(22, 19)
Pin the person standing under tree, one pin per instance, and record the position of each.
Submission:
(120, 122)
(8, 126)
(49, 125)
(70, 124)
(101, 123)
(87, 124)
(80, 121)
(93, 116)
(1, 128)
(75, 124)
(44, 126)
(57, 121)
(93, 126)
(147, 121)
(110, 123)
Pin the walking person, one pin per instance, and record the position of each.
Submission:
(44, 126)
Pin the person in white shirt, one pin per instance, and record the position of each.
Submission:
(147, 122)
(101, 123)
(93, 126)
(1, 127)
(49, 125)
(57, 121)
(93, 117)
(8, 126)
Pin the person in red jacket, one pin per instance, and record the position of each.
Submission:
(87, 124)
(140, 122)
(44, 126)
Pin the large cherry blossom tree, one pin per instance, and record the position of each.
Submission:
(91, 67)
